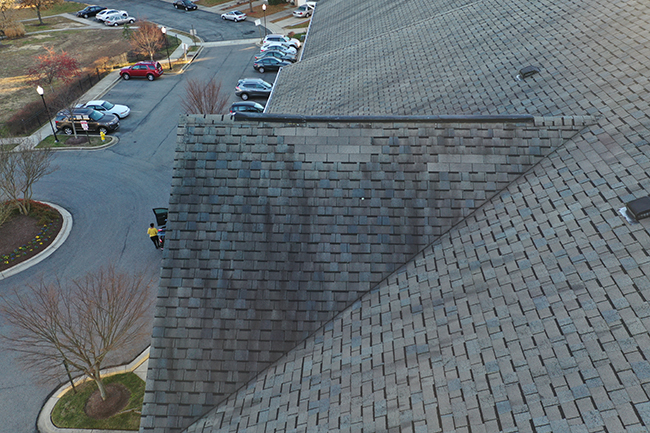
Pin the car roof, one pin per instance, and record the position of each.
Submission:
(246, 103)
(96, 102)
(252, 80)
(75, 110)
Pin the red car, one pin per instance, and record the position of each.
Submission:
(150, 70)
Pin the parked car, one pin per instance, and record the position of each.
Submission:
(185, 4)
(106, 12)
(149, 70)
(90, 11)
(269, 64)
(95, 120)
(277, 46)
(234, 16)
(253, 87)
(303, 11)
(278, 55)
(117, 19)
(121, 111)
(246, 107)
(281, 39)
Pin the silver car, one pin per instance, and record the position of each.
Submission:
(234, 16)
(117, 19)
(253, 88)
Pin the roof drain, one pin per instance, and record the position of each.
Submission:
(526, 72)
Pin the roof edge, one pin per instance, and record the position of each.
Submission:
(297, 118)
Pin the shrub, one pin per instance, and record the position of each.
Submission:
(14, 30)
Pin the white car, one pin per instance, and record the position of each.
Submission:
(276, 46)
(281, 39)
(234, 16)
(106, 12)
(121, 111)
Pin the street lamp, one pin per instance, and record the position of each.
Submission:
(39, 90)
(264, 9)
(164, 31)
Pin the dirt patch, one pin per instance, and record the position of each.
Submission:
(76, 141)
(117, 397)
(13, 232)
(19, 55)
(23, 237)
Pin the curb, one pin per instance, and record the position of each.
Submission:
(58, 241)
(44, 423)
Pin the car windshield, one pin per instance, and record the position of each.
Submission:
(107, 105)
(96, 115)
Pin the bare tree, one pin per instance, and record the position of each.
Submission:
(204, 97)
(39, 5)
(6, 209)
(19, 171)
(147, 39)
(76, 325)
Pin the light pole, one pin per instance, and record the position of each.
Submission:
(164, 31)
(39, 90)
(264, 9)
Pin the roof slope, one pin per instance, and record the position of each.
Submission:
(530, 315)
(274, 228)
(465, 61)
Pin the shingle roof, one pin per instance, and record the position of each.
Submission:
(480, 297)
(465, 61)
(530, 315)
(276, 227)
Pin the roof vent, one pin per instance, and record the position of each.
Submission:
(526, 72)
(639, 208)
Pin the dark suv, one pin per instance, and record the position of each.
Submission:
(95, 121)
(148, 69)
(90, 11)
(253, 87)
(246, 107)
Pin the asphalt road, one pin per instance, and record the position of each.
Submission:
(209, 26)
(110, 194)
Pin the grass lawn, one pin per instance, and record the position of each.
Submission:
(258, 12)
(48, 141)
(8, 146)
(66, 7)
(49, 23)
(69, 410)
(210, 3)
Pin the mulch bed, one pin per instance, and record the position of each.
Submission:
(22, 237)
(117, 397)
